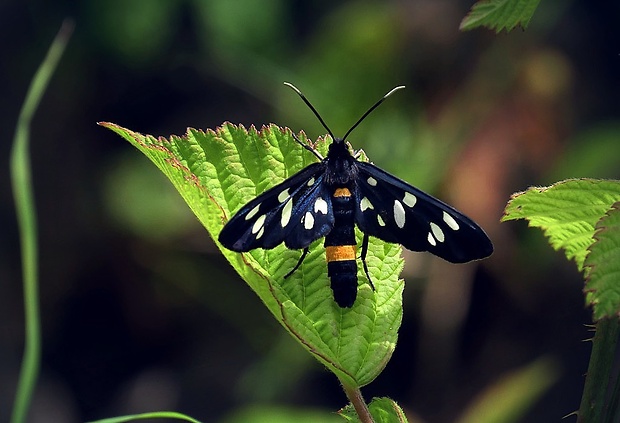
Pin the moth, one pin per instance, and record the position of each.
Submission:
(330, 197)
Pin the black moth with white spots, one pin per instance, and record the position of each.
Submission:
(328, 198)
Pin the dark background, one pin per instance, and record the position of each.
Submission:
(140, 312)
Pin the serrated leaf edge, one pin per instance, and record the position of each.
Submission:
(600, 229)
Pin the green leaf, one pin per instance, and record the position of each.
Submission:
(26, 213)
(566, 211)
(603, 262)
(383, 410)
(217, 172)
(148, 416)
(280, 414)
(499, 14)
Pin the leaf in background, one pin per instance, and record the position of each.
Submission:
(567, 212)
(280, 414)
(499, 14)
(216, 173)
(594, 151)
(137, 32)
(603, 263)
(383, 410)
(139, 200)
(171, 415)
(513, 394)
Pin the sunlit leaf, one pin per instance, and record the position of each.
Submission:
(603, 262)
(567, 212)
(217, 172)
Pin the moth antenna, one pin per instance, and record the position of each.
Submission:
(307, 147)
(400, 87)
(294, 88)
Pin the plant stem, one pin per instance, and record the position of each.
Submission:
(594, 404)
(614, 412)
(355, 396)
(21, 178)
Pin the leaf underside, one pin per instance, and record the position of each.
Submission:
(500, 14)
(217, 172)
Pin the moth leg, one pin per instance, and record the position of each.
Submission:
(301, 259)
(363, 258)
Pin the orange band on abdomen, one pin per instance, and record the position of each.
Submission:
(340, 253)
(342, 192)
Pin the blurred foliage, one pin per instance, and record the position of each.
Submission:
(149, 416)
(483, 116)
(274, 414)
(592, 152)
(500, 14)
(140, 199)
(513, 394)
(137, 30)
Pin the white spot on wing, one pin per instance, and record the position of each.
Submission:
(308, 221)
(320, 206)
(399, 214)
(252, 212)
(283, 196)
(286, 213)
(437, 232)
(431, 240)
(371, 181)
(366, 204)
(380, 220)
(261, 232)
(310, 182)
(453, 224)
(258, 225)
(410, 199)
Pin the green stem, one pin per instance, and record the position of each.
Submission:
(21, 178)
(594, 404)
(355, 396)
(614, 411)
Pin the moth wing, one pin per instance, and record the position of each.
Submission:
(394, 211)
(275, 216)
